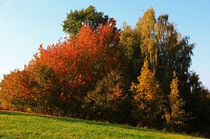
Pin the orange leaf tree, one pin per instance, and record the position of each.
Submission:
(15, 93)
(36, 90)
(80, 61)
(176, 116)
(147, 96)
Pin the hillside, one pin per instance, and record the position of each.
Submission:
(21, 125)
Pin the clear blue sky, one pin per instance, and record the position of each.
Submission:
(25, 24)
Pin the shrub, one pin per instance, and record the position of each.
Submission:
(102, 103)
(15, 91)
(45, 90)
(36, 90)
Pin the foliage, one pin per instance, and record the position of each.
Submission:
(36, 90)
(79, 62)
(89, 74)
(103, 102)
(148, 97)
(45, 89)
(166, 49)
(15, 93)
(176, 117)
(60, 76)
(75, 20)
(195, 85)
(146, 26)
(200, 108)
(130, 52)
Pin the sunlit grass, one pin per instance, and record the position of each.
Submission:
(21, 125)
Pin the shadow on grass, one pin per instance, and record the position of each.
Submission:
(2, 112)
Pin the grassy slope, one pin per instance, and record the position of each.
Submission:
(20, 125)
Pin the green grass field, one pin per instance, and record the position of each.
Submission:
(21, 125)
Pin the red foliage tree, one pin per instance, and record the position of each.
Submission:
(80, 61)
(60, 76)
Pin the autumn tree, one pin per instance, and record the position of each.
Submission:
(35, 90)
(15, 93)
(146, 27)
(59, 76)
(75, 20)
(166, 49)
(176, 116)
(148, 97)
(171, 51)
(79, 62)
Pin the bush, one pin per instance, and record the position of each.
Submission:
(102, 103)
(15, 91)
(45, 90)
(36, 90)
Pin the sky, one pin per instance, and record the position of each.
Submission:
(25, 24)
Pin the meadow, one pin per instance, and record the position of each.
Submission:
(25, 125)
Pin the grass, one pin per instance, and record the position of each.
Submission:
(23, 125)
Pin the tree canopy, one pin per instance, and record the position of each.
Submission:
(75, 19)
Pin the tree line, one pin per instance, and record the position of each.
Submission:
(138, 76)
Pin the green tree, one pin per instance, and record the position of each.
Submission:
(146, 27)
(129, 45)
(176, 116)
(103, 102)
(46, 89)
(166, 49)
(148, 97)
(200, 107)
(75, 19)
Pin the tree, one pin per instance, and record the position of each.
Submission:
(45, 89)
(75, 20)
(104, 100)
(148, 97)
(146, 27)
(176, 116)
(60, 76)
(200, 108)
(166, 49)
(81, 61)
(130, 52)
